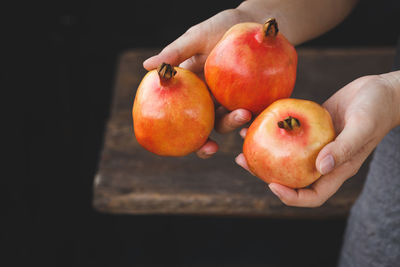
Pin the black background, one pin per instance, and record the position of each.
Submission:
(58, 61)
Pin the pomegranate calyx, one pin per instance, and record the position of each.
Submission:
(289, 123)
(166, 71)
(270, 27)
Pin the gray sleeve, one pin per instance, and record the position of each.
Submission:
(372, 236)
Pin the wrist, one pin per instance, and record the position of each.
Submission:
(392, 81)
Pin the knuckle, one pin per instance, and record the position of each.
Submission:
(388, 81)
(227, 127)
(288, 202)
(227, 124)
(367, 79)
(192, 31)
(353, 166)
(318, 203)
(345, 152)
(354, 170)
(232, 13)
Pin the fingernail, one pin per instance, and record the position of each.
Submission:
(243, 132)
(327, 164)
(275, 190)
(240, 118)
(239, 159)
(236, 158)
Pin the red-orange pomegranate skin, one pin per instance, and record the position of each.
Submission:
(250, 70)
(173, 117)
(277, 155)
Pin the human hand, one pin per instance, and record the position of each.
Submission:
(363, 112)
(190, 51)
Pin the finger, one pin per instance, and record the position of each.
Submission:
(241, 161)
(291, 197)
(243, 132)
(322, 189)
(208, 149)
(226, 122)
(356, 133)
(311, 197)
(184, 47)
(194, 63)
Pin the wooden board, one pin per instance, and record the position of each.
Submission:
(131, 180)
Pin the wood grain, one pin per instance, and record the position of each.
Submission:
(131, 180)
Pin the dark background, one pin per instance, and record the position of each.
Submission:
(58, 61)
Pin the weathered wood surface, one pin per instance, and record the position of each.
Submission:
(131, 180)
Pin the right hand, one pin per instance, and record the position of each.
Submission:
(363, 112)
(190, 51)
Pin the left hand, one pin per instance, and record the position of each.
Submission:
(190, 51)
(363, 112)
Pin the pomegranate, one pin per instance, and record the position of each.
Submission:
(283, 142)
(173, 112)
(251, 66)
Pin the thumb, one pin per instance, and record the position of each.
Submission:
(347, 144)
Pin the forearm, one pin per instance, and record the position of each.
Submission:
(299, 20)
(393, 82)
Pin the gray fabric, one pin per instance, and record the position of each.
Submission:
(372, 236)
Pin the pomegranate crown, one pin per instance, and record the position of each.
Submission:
(166, 71)
(289, 123)
(270, 27)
